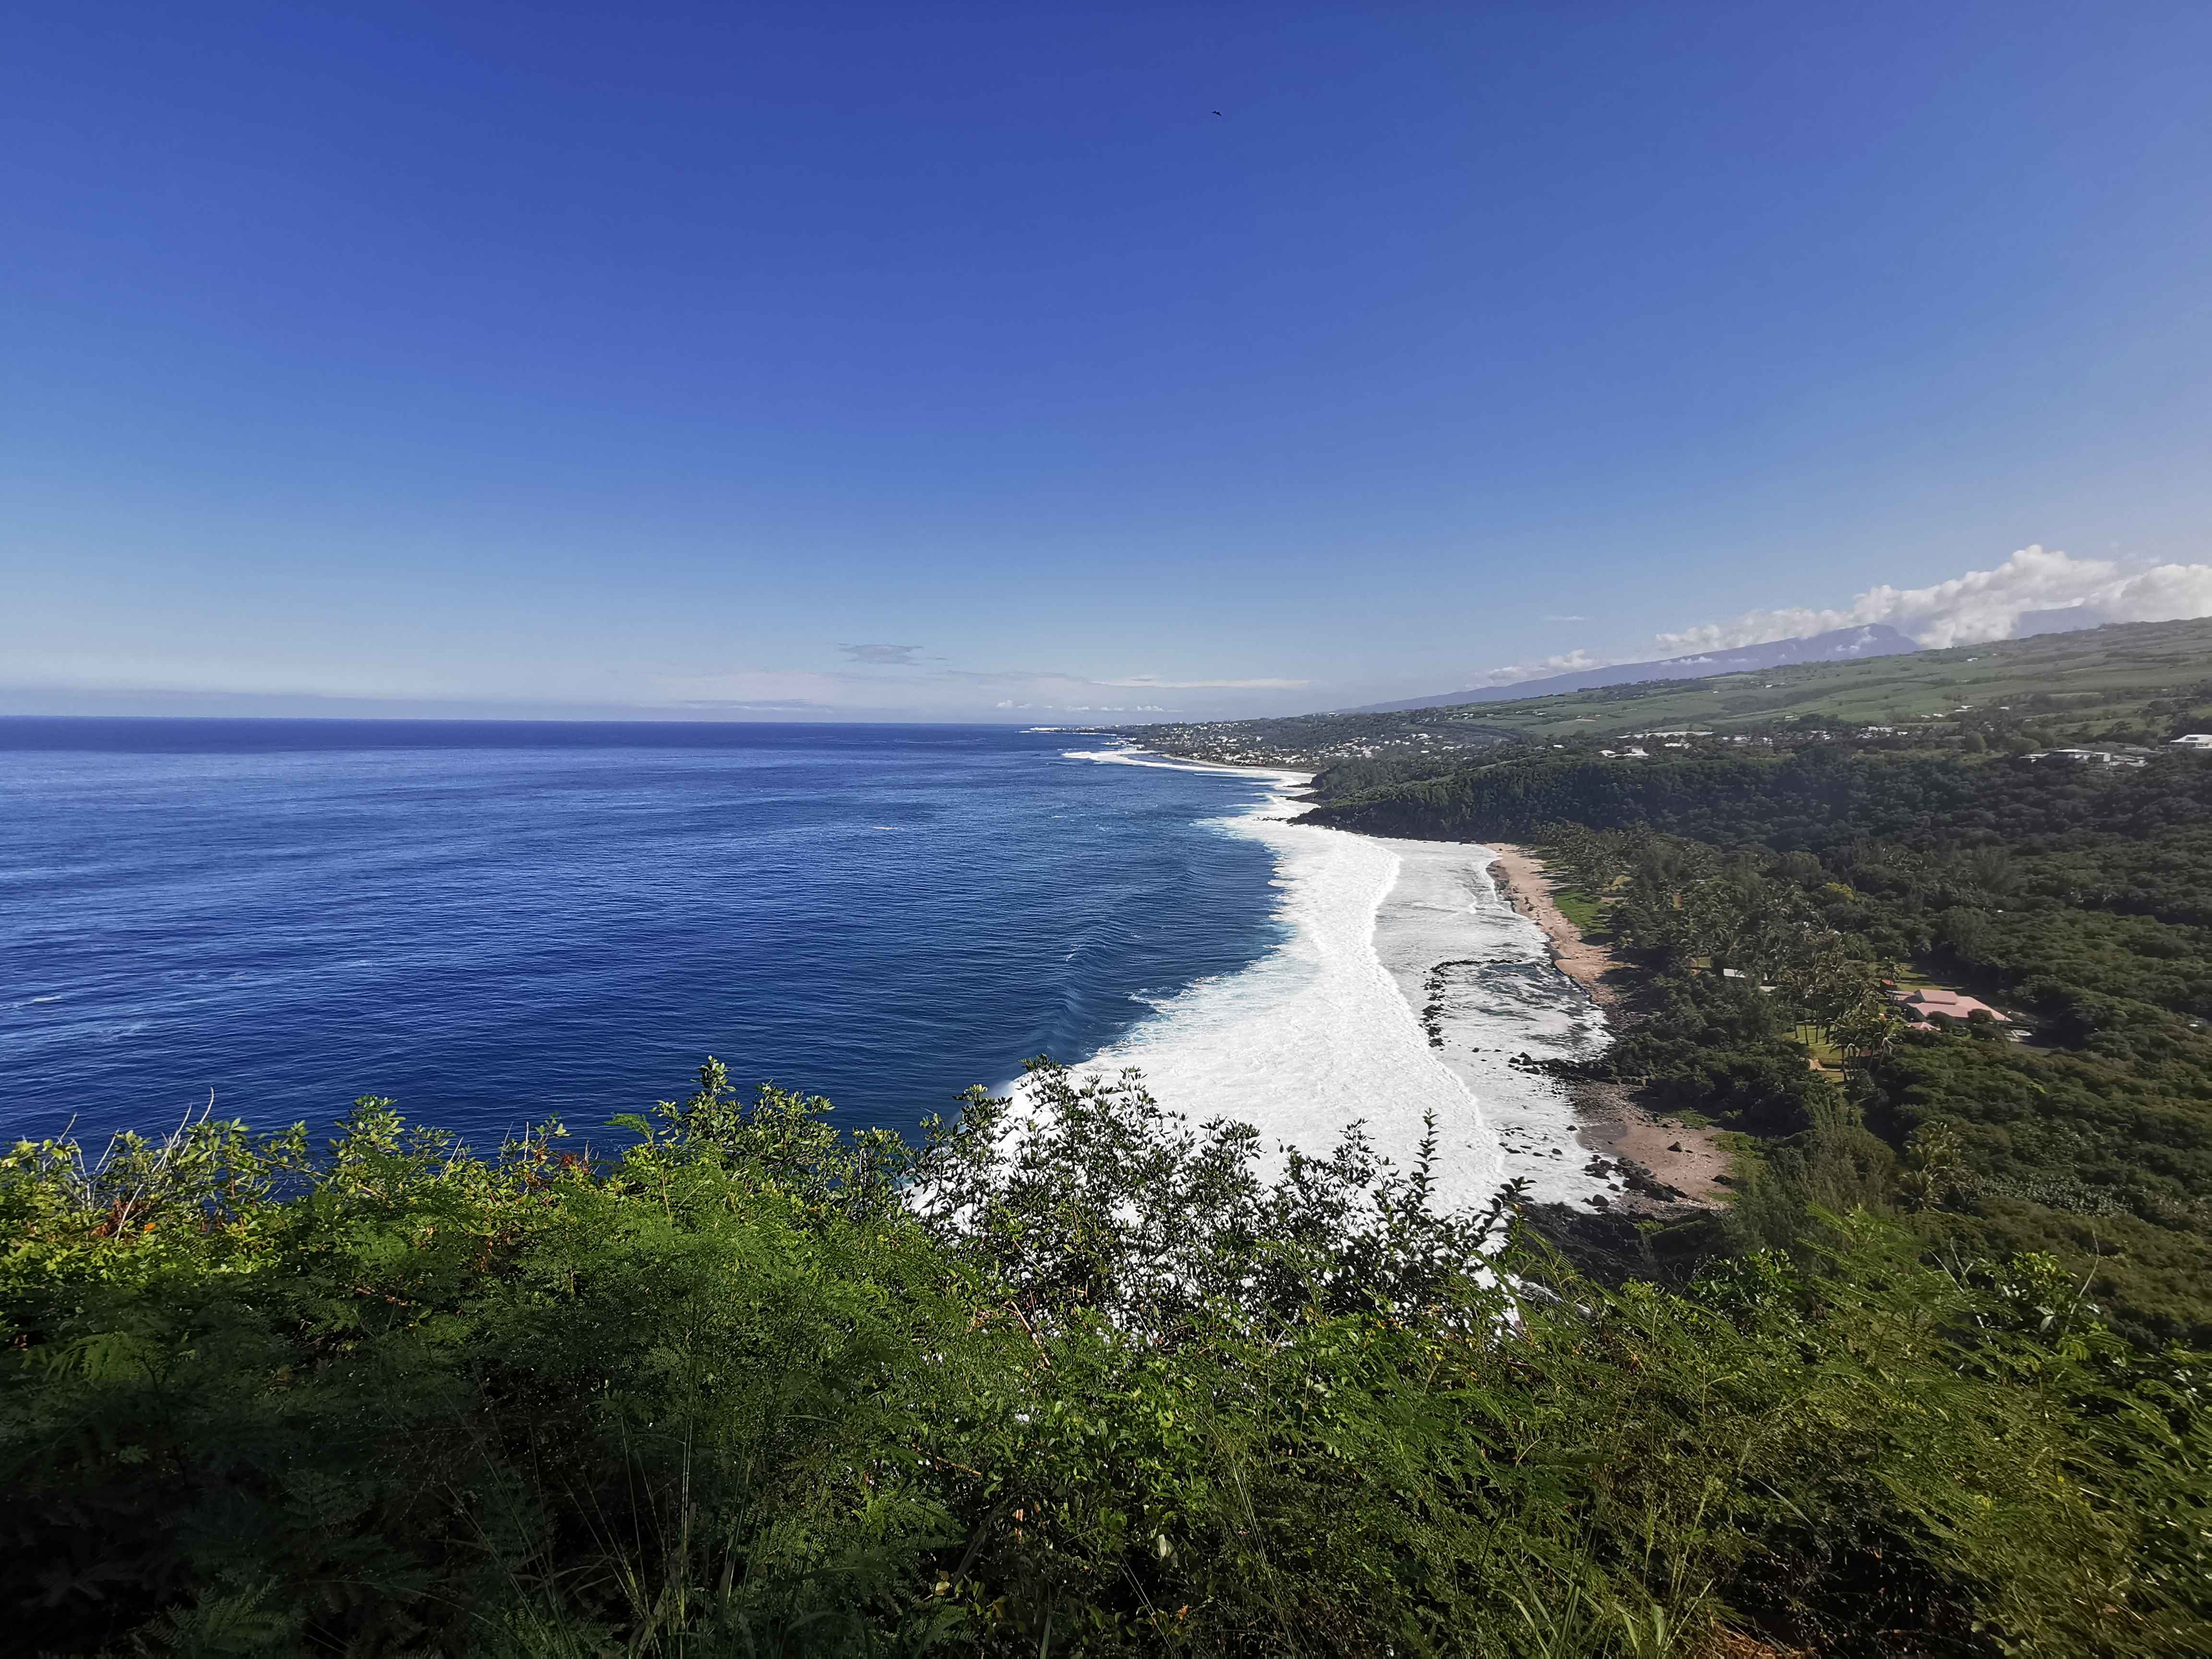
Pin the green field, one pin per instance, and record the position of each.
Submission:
(2112, 670)
(2141, 682)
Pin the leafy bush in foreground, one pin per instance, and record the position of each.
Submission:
(1067, 1377)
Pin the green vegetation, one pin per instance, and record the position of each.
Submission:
(1073, 1378)
(2137, 682)
(1765, 869)
(1781, 856)
(1075, 1381)
(2076, 896)
(2097, 1149)
(1585, 909)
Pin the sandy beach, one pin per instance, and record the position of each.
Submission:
(1417, 976)
(1671, 1152)
(1316, 1035)
(1520, 876)
(1658, 1153)
(1478, 976)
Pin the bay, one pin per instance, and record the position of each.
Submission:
(494, 922)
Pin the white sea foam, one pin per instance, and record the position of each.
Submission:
(1139, 758)
(1483, 975)
(1327, 1029)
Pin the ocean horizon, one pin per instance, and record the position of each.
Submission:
(498, 923)
(495, 922)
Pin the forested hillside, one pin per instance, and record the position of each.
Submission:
(2076, 895)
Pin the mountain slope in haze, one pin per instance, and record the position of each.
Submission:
(1838, 645)
(2072, 687)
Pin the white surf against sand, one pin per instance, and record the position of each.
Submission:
(1482, 974)
(1325, 1029)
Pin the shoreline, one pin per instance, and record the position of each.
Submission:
(1476, 975)
(1487, 973)
(1664, 1151)
(1526, 884)
(1316, 1035)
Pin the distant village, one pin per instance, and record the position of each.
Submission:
(1283, 743)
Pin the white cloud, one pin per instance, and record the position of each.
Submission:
(1566, 662)
(1982, 605)
(1968, 610)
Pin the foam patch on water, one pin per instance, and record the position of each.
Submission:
(1139, 758)
(1329, 1029)
(1481, 977)
(1316, 1035)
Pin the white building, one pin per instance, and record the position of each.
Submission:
(2086, 756)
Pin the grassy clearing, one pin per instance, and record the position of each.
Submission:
(1584, 909)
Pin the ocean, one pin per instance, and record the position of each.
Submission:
(498, 923)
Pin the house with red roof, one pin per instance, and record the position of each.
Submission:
(1925, 1000)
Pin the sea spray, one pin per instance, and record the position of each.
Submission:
(1480, 978)
(1329, 1029)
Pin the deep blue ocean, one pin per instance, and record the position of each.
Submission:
(493, 922)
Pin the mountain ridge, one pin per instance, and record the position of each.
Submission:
(1837, 645)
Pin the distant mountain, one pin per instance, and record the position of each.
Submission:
(1841, 645)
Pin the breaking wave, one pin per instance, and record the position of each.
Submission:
(1322, 1031)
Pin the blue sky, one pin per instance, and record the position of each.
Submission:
(961, 362)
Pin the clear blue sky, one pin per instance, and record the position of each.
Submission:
(930, 360)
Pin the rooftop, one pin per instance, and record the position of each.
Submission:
(1925, 1000)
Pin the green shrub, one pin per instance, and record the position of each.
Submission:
(1067, 1377)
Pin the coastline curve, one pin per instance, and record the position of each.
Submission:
(1346, 1020)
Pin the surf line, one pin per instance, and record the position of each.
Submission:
(1323, 1030)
